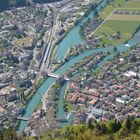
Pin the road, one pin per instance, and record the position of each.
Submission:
(101, 23)
(51, 43)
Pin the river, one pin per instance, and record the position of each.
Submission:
(72, 38)
(120, 48)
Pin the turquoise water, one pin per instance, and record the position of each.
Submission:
(35, 101)
(42, 90)
(72, 37)
(120, 48)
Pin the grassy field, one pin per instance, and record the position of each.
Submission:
(131, 4)
(110, 27)
(125, 17)
(125, 24)
(111, 7)
(27, 41)
(119, 4)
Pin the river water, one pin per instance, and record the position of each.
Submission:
(72, 38)
(120, 48)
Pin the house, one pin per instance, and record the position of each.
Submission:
(81, 100)
(130, 74)
(11, 97)
(97, 112)
(123, 99)
(93, 101)
(116, 36)
(25, 56)
(6, 27)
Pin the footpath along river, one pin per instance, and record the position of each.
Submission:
(72, 38)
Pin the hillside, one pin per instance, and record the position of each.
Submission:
(112, 130)
(128, 129)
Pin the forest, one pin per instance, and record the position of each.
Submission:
(128, 129)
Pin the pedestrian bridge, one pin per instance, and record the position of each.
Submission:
(22, 118)
(54, 75)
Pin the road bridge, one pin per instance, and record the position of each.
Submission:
(22, 118)
(54, 75)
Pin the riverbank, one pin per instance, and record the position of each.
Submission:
(64, 68)
(69, 41)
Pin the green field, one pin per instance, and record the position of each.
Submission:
(125, 27)
(110, 27)
(131, 4)
(119, 4)
(108, 9)
(27, 41)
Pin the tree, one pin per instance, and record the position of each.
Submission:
(133, 128)
(100, 129)
(9, 134)
(38, 55)
(133, 59)
(115, 49)
(108, 2)
(91, 123)
(119, 125)
(96, 13)
(123, 132)
(128, 122)
(114, 126)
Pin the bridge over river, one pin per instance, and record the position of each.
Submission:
(72, 38)
(23, 118)
(54, 75)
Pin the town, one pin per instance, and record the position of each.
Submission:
(65, 62)
(24, 37)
